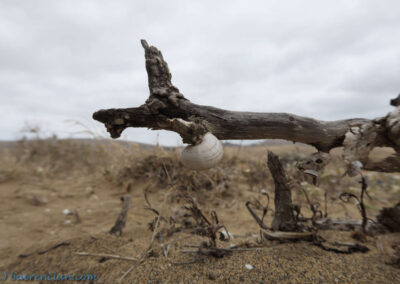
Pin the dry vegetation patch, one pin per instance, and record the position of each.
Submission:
(41, 178)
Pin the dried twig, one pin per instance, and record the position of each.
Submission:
(54, 247)
(207, 228)
(149, 207)
(350, 248)
(346, 196)
(278, 235)
(204, 226)
(102, 255)
(287, 236)
(46, 250)
(207, 251)
(316, 213)
(255, 216)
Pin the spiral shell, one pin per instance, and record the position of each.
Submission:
(204, 155)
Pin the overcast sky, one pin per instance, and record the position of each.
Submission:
(62, 60)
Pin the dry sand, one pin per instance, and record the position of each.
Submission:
(34, 192)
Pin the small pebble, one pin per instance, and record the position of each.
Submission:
(249, 266)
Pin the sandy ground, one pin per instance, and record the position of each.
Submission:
(35, 197)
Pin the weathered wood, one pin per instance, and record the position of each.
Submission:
(288, 236)
(283, 218)
(234, 125)
(166, 108)
(390, 164)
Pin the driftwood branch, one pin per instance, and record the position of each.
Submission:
(167, 108)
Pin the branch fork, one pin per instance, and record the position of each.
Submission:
(167, 108)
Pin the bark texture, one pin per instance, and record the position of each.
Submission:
(167, 108)
(283, 218)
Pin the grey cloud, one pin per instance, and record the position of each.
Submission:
(63, 60)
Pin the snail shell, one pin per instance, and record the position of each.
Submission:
(204, 155)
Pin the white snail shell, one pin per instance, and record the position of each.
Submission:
(204, 155)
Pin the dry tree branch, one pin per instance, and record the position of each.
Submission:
(166, 108)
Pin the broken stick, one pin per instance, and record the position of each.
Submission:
(284, 219)
(121, 220)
